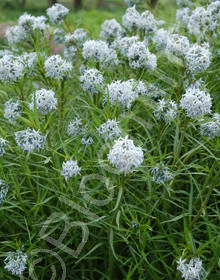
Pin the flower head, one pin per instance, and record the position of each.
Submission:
(45, 101)
(125, 156)
(192, 270)
(3, 144)
(57, 13)
(161, 174)
(16, 262)
(91, 80)
(3, 190)
(109, 129)
(12, 110)
(196, 102)
(56, 67)
(29, 140)
(70, 169)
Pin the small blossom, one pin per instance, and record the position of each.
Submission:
(98, 51)
(111, 29)
(196, 102)
(131, 19)
(57, 13)
(56, 67)
(110, 130)
(211, 128)
(3, 190)
(125, 156)
(161, 174)
(70, 169)
(121, 92)
(192, 270)
(16, 262)
(76, 127)
(140, 57)
(91, 80)
(134, 224)
(166, 109)
(123, 44)
(12, 110)
(15, 34)
(45, 101)
(198, 58)
(76, 38)
(87, 140)
(29, 140)
(3, 144)
(11, 69)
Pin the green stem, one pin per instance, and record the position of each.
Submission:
(206, 200)
(112, 223)
(181, 141)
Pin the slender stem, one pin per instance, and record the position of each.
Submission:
(206, 200)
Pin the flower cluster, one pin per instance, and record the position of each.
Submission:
(121, 92)
(109, 129)
(111, 29)
(211, 128)
(70, 169)
(140, 57)
(192, 270)
(77, 37)
(3, 190)
(200, 21)
(125, 156)
(198, 58)
(92, 80)
(97, 51)
(16, 262)
(11, 69)
(45, 101)
(56, 67)
(26, 26)
(161, 174)
(57, 13)
(166, 109)
(3, 145)
(12, 110)
(76, 127)
(196, 102)
(29, 140)
(177, 44)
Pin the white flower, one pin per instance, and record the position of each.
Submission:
(198, 58)
(98, 51)
(3, 144)
(15, 34)
(121, 92)
(131, 19)
(140, 57)
(109, 129)
(70, 169)
(45, 101)
(11, 69)
(12, 110)
(57, 13)
(87, 140)
(56, 67)
(77, 37)
(197, 103)
(91, 80)
(76, 127)
(125, 156)
(147, 22)
(211, 128)
(177, 44)
(69, 52)
(16, 262)
(111, 29)
(160, 38)
(166, 109)
(161, 174)
(123, 44)
(39, 23)
(3, 190)
(191, 271)
(29, 140)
